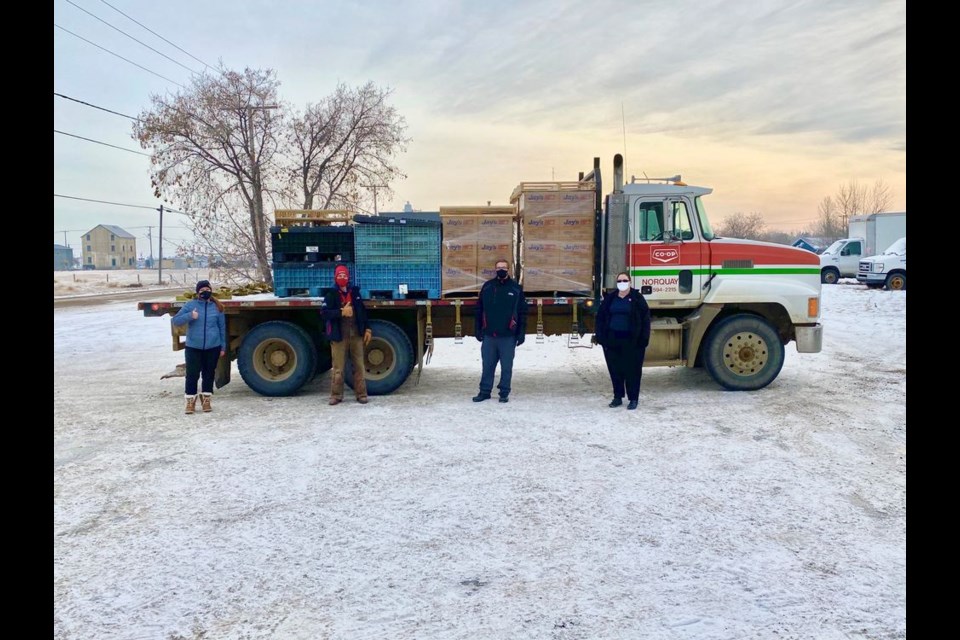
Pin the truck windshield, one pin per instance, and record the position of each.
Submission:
(835, 247)
(704, 220)
(899, 247)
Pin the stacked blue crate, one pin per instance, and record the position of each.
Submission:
(304, 278)
(312, 244)
(304, 258)
(397, 258)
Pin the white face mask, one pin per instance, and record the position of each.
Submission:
(623, 286)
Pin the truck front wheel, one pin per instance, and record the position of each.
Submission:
(829, 276)
(276, 358)
(743, 353)
(896, 282)
(388, 359)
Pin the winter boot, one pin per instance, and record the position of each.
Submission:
(191, 404)
(205, 402)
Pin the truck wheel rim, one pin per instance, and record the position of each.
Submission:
(745, 354)
(274, 360)
(378, 360)
(896, 283)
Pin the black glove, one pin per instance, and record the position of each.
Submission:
(520, 339)
(479, 337)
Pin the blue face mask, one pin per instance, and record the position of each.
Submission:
(205, 295)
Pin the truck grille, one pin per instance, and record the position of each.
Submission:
(865, 267)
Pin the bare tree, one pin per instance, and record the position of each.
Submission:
(346, 143)
(852, 199)
(779, 237)
(227, 154)
(741, 225)
(879, 199)
(214, 154)
(829, 223)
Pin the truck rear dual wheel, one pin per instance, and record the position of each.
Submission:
(743, 353)
(277, 358)
(388, 359)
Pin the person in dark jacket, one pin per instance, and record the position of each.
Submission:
(206, 343)
(501, 326)
(345, 318)
(623, 329)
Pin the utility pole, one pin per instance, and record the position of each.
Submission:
(374, 187)
(150, 240)
(160, 248)
(65, 239)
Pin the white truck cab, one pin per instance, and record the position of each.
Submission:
(889, 269)
(841, 260)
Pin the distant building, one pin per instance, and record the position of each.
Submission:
(183, 262)
(62, 258)
(107, 246)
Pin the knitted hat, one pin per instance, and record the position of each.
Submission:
(202, 284)
(341, 268)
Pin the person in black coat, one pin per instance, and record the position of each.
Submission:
(345, 320)
(501, 327)
(623, 330)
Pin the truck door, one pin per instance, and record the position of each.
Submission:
(665, 251)
(850, 258)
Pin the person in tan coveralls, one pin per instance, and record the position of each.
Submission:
(346, 324)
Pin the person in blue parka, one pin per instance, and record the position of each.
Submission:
(206, 343)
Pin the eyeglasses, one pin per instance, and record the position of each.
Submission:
(623, 281)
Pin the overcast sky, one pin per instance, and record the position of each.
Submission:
(773, 104)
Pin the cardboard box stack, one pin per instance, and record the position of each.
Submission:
(557, 231)
(474, 238)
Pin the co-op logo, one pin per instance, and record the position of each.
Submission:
(664, 255)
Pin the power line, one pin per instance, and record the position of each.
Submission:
(131, 37)
(64, 133)
(119, 204)
(95, 106)
(119, 56)
(157, 34)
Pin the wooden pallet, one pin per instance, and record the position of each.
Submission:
(498, 210)
(525, 187)
(312, 217)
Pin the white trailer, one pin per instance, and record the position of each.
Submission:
(879, 230)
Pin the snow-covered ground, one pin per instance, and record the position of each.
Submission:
(79, 283)
(706, 514)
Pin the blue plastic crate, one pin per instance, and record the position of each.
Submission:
(396, 244)
(311, 244)
(304, 278)
(383, 281)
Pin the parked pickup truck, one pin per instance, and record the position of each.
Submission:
(889, 269)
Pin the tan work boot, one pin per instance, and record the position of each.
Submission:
(191, 404)
(205, 402)
(334, 401)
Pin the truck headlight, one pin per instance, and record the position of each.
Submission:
(878, 267)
